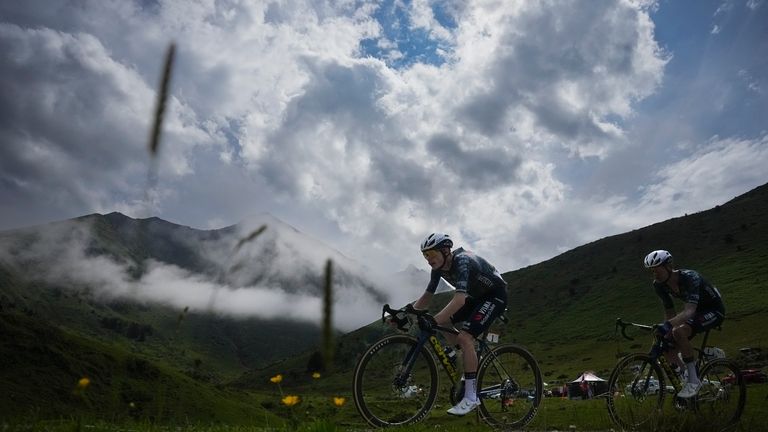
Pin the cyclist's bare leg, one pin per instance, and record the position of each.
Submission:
(682, 333)
(451, 338)
(467, 343)
(674, 359)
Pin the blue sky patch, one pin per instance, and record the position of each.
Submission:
(401, 45)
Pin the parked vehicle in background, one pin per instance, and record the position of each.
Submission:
(653, 387)
(750, 376)
(752, 357)
(560, 391)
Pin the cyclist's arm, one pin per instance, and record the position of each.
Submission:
(423, 301)
(669, 314)
(689, 310)
(453, 306)
(692, 283)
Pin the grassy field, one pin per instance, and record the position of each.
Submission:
(318, 413)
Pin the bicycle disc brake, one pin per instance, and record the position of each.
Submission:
(510, 392)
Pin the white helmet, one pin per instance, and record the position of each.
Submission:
(657, 258)
(436, 241)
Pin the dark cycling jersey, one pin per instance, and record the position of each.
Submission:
(472, 275)
(693, 289)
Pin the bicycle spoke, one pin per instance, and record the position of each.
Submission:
(635, 393)
(509, 387)
(721, 398)
(389, 393)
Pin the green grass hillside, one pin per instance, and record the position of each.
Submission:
(41, 367)
(564, 309)
(218, 347)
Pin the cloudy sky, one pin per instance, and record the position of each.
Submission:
(522, 128)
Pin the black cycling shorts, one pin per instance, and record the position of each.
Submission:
(479, 315)
(704, 321)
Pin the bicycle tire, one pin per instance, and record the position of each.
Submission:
(631, 403)
(509, 386)
(381, 401)
(721, 398)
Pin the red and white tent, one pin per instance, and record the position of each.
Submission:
(587, 385)
(588, 377)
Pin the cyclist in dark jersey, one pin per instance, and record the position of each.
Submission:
(480, 297)
(703, 309)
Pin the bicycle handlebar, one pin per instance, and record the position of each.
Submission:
(424, 319)
(397, 318)
(660, 343)
(624, 325)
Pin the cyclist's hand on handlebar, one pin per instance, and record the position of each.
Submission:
(430, 319)
(663, 330)
(398, 318)
(390, 321)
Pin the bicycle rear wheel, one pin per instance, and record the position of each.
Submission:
(389, 392)
(722, 396)
(509, 387)
(636, 393)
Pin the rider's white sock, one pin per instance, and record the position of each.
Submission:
(470, 391)
(691, 367)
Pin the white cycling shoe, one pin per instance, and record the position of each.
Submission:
(689, 390)
(464, 407)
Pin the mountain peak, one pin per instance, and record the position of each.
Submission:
(412, 269)
(265, 218)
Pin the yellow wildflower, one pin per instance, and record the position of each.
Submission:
(83, 383)
(316, 375)
(339, 401)
(277, 378)
(290, 400)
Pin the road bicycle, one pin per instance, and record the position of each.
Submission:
(639, 383)
(396, 379)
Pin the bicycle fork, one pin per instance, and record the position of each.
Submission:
(637, 389)
(404, 374)
(402, 379)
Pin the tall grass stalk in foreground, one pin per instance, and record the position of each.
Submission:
(162, 100)
(328, 316)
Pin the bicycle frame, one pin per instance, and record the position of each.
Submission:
(403, 370)
(453, 374)
(633, 402)
(669, 375)
(660, 345)
(428, 333)
(657, 354)
(437, 349)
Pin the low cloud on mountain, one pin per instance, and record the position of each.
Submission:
(277, 274)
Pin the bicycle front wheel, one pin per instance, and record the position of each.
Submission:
(509, 387)
(722, 396)
(636, 393)
(394, 382)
